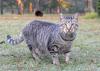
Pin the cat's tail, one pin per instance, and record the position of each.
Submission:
(14, 41)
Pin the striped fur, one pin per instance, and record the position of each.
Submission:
(16, 41)
(42, 36)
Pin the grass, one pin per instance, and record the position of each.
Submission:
(90, 15)
(85, 54)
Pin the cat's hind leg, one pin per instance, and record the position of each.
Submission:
(35, 52)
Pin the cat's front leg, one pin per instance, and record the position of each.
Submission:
(67, 57)
(55, 57)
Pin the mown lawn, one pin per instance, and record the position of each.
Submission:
(85, 54)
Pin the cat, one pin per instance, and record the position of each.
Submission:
(49, 38)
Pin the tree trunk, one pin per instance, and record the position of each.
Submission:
(1, 5)
(89, 6)
(11, 8)
(38, 5)
(59, 8)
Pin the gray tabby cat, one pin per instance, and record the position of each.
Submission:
(49, 38)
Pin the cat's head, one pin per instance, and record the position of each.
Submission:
(69, 23)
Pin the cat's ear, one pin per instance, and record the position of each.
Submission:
(76, 15)
(62, 19)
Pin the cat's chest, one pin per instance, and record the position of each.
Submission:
(61, 43)
(57, 40)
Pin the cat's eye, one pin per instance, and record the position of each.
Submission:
(76, 25)
(72, 23)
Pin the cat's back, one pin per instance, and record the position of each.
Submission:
(38, 25)
(41, 23)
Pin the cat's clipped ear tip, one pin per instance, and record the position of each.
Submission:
(76, 14)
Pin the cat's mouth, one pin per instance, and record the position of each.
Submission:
(68, 36)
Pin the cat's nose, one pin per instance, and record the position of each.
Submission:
(71, 35)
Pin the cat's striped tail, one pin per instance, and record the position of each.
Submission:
(15, 41)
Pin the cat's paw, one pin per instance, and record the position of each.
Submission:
(68, 62)
(56, 61)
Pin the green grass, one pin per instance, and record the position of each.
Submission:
(90, 15)
(85, 54)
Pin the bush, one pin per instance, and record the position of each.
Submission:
(90, 15)
(98, 7)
